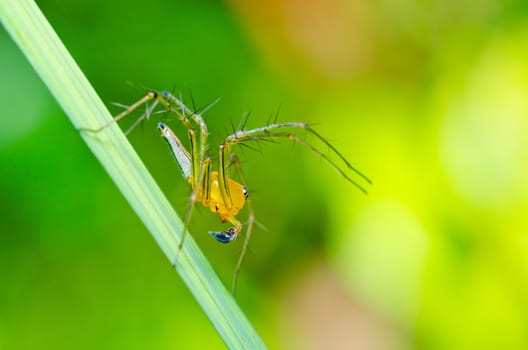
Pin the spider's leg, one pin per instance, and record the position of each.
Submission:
(185, 115)
(193, 170)
(144, 116)
(249, 225)
(197, 145)
(199, 186)
(274, 131)
(200, 165)
(150, 96)
(222, 175)
(182, 156)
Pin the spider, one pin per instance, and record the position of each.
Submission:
(216, 189)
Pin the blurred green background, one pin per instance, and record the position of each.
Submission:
(430, 99)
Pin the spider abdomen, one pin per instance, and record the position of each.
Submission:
(216, 203)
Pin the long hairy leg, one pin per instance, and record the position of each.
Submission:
(148, 97)
(193, 169)
(185, 114)
(274, 131)
(164, 99)
(249, 225)
(199, 186)
(200, 165)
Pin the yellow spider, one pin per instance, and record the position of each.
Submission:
(216, 189)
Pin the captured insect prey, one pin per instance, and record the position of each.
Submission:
(216, 189)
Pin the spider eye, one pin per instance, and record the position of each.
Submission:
(224, 236)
